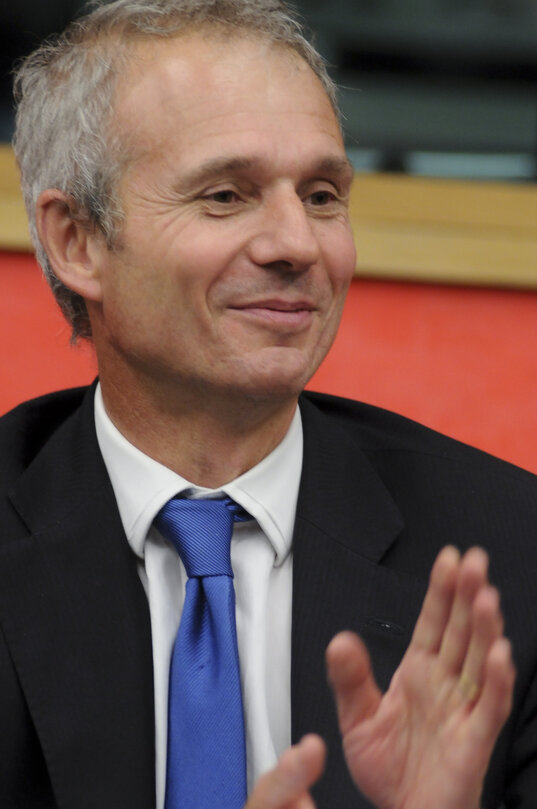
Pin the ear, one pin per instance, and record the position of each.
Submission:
(74, 249)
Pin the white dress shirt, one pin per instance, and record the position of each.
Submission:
(262, 565)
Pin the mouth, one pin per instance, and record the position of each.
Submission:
(293, 315)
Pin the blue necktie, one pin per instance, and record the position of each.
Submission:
(206, 748)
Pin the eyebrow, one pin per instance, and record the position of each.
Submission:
(211, 168)
(334, 166)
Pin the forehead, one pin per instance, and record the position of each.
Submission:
(204, 86)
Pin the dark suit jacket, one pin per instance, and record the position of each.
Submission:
(379, 496)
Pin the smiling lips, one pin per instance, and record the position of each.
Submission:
(290, 314)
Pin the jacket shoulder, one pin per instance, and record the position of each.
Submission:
(27, 428)
(383, 432)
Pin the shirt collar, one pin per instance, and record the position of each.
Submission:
(268, 491)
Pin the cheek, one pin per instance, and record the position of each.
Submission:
(340, 257)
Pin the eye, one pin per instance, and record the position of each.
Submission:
(224, 197)
(322, 197)
(223, 201)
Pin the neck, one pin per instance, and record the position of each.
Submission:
(207, 442)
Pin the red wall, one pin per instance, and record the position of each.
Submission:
(459, 359)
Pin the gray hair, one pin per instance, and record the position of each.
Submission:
(65, 90)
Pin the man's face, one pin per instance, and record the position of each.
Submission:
(236, 251)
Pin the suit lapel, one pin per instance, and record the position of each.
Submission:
(346, 522)
(76, 620)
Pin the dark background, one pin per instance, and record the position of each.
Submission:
(440, 87)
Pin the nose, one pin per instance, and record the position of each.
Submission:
(285, 237)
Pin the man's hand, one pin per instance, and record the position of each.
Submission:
(287, 785)
(428, 740)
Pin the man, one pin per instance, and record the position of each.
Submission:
(187, 188)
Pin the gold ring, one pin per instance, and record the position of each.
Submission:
(468, 687)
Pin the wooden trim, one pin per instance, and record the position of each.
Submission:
(13, 225)
(446, 231)
(411, 228)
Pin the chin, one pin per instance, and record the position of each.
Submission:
(276, 382)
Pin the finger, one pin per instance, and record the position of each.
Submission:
(495, 701)
(287, 785)
(472, 575)
(349, 671)
(487, 627)
(438, 601)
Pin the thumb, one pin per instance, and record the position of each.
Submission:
(349, 672)
(287, 785)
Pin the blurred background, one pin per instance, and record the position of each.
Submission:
(439, 99)
(438, 87)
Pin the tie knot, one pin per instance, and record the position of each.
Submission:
(200, 531)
